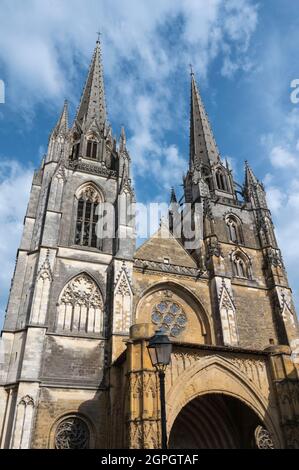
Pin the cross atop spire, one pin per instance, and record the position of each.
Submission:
(203, 148)
(92, 105)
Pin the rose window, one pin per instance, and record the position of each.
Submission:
(72, 433)
(169, 317)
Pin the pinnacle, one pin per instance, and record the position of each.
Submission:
(62, 124)
(173, 197)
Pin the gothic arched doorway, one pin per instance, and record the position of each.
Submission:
(218, 421)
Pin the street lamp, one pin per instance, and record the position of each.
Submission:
(159, 348)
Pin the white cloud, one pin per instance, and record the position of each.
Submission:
(275, 198)
(282, 158)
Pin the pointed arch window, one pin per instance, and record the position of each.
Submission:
(80, 306)
(234, 229)
(92, 149)
(221, 180)
(89, 201)
(241, 266)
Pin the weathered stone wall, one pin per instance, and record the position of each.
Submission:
(56, 403)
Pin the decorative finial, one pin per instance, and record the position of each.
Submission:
(99, 37)
(191, 69)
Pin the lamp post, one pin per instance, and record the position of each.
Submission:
(159, 348)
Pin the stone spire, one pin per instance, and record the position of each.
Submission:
(62, 126)
(58, 146)
(250, 178)
(203, 148)
(254, 190)
(92, 105)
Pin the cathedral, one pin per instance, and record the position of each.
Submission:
(84, 303)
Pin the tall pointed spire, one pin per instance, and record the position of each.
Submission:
(62, 124)
(203, 148)
(92, 105)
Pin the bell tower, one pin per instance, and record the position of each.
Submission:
(76, 250)
(238, 252)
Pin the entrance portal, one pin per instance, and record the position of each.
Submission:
(218, 421)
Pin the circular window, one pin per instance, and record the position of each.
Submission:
(72, 433)
(263, 438)
(169, 317)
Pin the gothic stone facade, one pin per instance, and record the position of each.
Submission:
(76, 371)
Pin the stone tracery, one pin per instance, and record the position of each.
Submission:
(72, 433)
(263, 438)
(80, 307)
(170, 317)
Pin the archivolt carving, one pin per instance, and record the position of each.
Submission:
(215, 374)
(255, 370)
(80, 307)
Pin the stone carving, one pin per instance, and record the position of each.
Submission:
(255, 370)
(169, 317)
(263, 438)
(122, 302)
(228, 316)
(27, 401)
(143, 419)
(213, 247)
(89, 193)
(123, 287)
(274, 257)
(168, 268)
(23, 422)
(72, 433)
(80, 307)
(60, 173)
(41, 292)
(90, 168)
(285, 309)
(45, 271)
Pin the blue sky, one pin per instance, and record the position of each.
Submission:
(244, 54)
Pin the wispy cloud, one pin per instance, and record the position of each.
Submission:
(146, 45)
